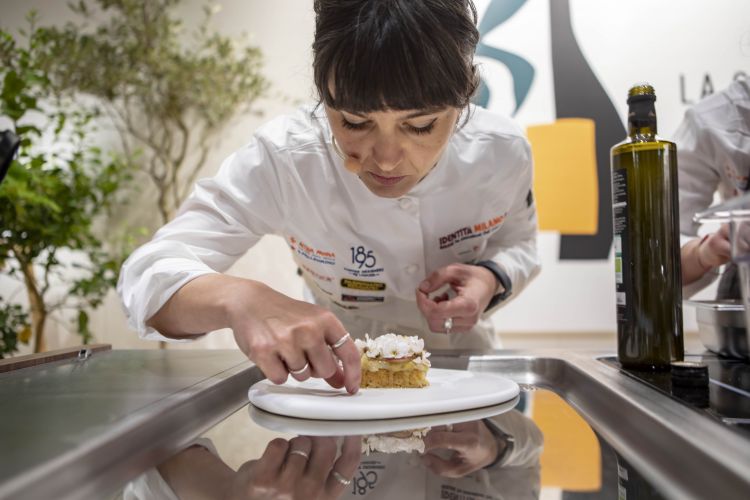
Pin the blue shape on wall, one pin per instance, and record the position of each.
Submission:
(520, 69)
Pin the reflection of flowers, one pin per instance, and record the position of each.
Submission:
(395, 442)
(520, 69)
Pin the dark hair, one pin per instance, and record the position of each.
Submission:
(395, 54)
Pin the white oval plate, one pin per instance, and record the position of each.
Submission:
(309, 427)
(449, 391)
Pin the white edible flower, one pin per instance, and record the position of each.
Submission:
(361, 345)
(391, 345)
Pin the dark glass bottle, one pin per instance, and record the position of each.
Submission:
(647, 245)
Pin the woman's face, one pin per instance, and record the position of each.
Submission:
(391, 151)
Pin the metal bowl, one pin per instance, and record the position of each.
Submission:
(721, 326)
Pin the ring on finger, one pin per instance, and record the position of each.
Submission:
(301, 370)
(448, 324)
(300, 453)
(341, 479)
(341, 341)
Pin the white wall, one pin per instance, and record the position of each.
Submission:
(624, 42)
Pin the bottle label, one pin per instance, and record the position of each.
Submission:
(622, 250)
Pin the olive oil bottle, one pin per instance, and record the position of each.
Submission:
(646, 240)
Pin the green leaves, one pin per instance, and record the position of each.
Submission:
(58, 188)
(14, 327)
(169, 92)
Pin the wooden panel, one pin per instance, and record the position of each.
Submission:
(40, 358)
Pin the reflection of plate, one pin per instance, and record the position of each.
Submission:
(449, 391)
(306, 427)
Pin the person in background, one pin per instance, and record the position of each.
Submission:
(713, 148)
(406, 208)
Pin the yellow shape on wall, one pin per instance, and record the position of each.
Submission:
(565, 178)
(571, 459)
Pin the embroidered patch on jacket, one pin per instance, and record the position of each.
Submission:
(482, 228)
(368, 286)
(361, 298)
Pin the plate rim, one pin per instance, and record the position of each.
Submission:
(430, 407)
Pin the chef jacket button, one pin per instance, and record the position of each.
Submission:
(405, 203)
(411, 268)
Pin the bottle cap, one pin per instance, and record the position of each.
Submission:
(641, 91)
(689, 374)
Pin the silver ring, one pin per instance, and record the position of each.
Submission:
(341, 341)
(448, 325)
(341, 479)
(301, 370)
(300, 453)
(449, 428)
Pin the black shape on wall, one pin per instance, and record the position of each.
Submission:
(578, 94)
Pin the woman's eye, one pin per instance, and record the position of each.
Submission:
(352, 125)
(426, 129)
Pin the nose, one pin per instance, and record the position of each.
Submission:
(387, 153)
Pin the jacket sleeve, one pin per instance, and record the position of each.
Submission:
(223, 217)
(512, 248)
(698, 180)
(698, 176)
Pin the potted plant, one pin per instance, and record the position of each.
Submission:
(56, 190)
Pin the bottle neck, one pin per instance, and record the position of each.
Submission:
(642, 120)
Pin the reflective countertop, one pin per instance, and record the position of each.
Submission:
(145, 424)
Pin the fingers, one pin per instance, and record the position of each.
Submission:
(322, 455)
(453, 467)
(319, 347)
(298, 366)
(344, 349)
(464, 311)
(273, 368)
(323, 364)
(297, 456)
(714, 250)
(440, 277)
(273, 457)
(345, 466)
(464, 308)
(443, 440)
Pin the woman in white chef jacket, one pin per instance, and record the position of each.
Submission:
(389, 190)
(713, 147)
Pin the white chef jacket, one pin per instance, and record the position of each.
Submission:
(362, 256)
(713, 152)
(381, 475)
(516, 477)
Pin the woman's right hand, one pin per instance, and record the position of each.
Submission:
(302, 468)
(283, 336)
(699, 256)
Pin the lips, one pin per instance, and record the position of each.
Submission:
(386, 181)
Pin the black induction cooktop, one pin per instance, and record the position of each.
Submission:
(725, 399)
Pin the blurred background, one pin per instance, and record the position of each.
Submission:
(128, 102)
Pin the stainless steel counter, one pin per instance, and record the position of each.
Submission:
(84, 428)
(81, 428)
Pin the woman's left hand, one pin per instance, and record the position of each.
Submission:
(474, 287)
(471, 445)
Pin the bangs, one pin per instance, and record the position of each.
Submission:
(387, 60)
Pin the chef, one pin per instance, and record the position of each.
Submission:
(406, 208)
(713, 147)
